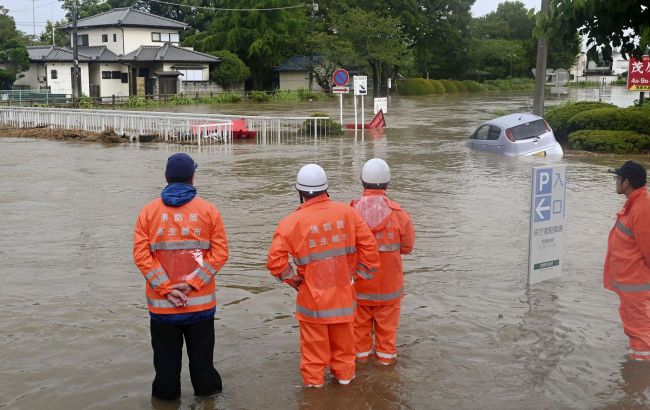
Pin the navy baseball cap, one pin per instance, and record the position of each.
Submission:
(632, 171)
(180, 168)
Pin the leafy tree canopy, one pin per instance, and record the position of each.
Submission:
(13, 53)
(230, 71)
(623, 24)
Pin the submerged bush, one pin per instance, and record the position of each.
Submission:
(558, 117)
(615, 119)
(322, 125)
(415, 86)
(473, 87)
(438, 88)
(461, 87)
(259, 96)
(450, 87)
(619, 142)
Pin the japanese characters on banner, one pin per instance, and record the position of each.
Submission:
(638, 77)
(547, 208)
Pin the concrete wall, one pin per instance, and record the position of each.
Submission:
(63, 83)
(95, 38)
(31, 77)
(136, 37)
(296, 80)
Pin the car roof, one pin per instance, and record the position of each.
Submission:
(512, 120)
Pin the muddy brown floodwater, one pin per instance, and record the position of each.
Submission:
(74, 325)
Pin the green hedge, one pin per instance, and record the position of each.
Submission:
(450, 87)
(615, 119)
(438, 88)
(619, 142)
(461, 87)
(557, 117)
(334, 127)
(474, 87)
(415, 86)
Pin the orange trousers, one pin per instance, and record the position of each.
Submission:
(326, 345)
(635, 314)
(384, 320)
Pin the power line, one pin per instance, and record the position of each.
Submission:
(39, 7)
(224, 9)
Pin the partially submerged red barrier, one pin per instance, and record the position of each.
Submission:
(377, 122)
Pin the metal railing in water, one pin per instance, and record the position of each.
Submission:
(172, 127)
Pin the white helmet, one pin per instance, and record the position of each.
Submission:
(311, 178)
(375, 171)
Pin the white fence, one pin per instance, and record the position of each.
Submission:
(171, 127)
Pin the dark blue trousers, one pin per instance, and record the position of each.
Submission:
(167, 343)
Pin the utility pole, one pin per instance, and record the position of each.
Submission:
(540, 68)
(75, 55)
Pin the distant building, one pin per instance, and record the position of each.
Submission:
(590, 70)
(294, 73)
(122, 52)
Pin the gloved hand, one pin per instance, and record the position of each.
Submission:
(295, 281)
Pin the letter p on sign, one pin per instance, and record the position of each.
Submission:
(544, 181)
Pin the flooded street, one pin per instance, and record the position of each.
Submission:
(74, 323)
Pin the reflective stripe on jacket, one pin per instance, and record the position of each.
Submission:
(180, 244)
(627, 264)
(330, 245)
(393, 230)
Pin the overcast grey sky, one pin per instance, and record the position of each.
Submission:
(21, 10)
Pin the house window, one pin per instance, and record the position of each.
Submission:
(82, 40)
(114, 38)
(106, 75)
(164, 37)
(104, 38)
(125, 78)
(155, 36)
(116, 75)
(54, 75)
(191, 75)
(173, 37)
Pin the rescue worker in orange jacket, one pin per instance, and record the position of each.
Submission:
(179, 246)
(627, 265)
(331, 247)
(379, 300)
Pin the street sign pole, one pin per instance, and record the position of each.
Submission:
(355, 113)
(341, 109)
(363, 117)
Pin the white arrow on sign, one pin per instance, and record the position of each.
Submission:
(539, 209)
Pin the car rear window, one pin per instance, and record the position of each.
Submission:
(529, 130)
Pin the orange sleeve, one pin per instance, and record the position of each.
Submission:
(150, 268)
(277, 261)
(407, 233)
(217, 255)
(367, 253)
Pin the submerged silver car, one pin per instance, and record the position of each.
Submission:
(516, 134)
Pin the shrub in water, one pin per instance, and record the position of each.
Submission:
(415, 86)
(557, 117)
(259, 96)
(450, 87)
(473, 86)
(438, 88)
(461, 87)
(619, 142)
(322, 125)
(615, 119)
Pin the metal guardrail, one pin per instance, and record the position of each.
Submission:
(171, 127)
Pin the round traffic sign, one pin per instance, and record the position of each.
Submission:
(341, 77)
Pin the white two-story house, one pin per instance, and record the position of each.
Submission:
(122, 52)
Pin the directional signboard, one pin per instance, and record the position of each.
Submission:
(548, 202)
(360, 85)
(341, 77)
(340, 90)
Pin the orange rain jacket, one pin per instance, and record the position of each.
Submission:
(180, 244)
(395, 235)
(331, 245)
(627, 264)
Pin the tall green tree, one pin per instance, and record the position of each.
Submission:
(440, 33)
(378, 41)
(262, 39)
(607, 25)
(53, 34)
(230, 70)
(13, 54)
